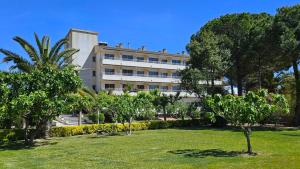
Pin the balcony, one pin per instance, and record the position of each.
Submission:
(141, 78)
(183, 93)
(143, 63)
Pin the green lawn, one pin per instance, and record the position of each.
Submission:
(170, 148)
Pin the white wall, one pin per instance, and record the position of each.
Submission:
(85, 41)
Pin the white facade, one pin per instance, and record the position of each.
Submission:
(113, 68)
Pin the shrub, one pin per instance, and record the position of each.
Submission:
(111, 128)
(93, 117)
(9, 135)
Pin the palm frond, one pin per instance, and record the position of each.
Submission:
(56, 48)
(28, 48)
(66, 54)
(45, 46)
(39, 44)
(20, 62)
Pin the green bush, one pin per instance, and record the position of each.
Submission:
(9, 135)
(93, 117)
(111, 128)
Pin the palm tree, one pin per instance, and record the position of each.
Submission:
(44, 55)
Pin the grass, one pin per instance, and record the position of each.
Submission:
(170, 148)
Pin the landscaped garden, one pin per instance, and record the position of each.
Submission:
(165, 148)
(153, 129)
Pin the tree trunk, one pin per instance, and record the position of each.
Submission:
(182, 117)
(239, 77)
(165, 115)
(297, 82)
(231, 86)
(247, 133)
(46, 132)
(259, 73)
(130, 121)
(79, 118)
(98, 114)
(26, 131)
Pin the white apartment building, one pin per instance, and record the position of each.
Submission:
(103, 67)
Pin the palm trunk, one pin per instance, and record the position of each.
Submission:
(297, 82)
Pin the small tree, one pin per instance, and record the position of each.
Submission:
(125, 109)
(181, 109)
(245, 111)
(162, 101)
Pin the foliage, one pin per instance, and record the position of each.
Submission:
(210, 56)
(245, 111)
(178, 109)
(95, 118)
(287, 30)
(39, 57)
(161, 101)
(40, 96)
(239, 34)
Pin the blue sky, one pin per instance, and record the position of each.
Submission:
(156, 24)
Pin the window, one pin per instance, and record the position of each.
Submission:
(176, 75)
(153, 87)
(140, 59)
(127, 57)
(140, 73)
(153, 74)
(153, 60)
(176, 62)
(140, 87)
(109, 86)
(94, 58)
(109, 56)
(164, 61)
(94, 73)
(127, 72)
(94, 87)
(176, 88)
(164, 88)
(164, 74)
(109, 71)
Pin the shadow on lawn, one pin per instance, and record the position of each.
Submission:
(238, 129)
(19, 145)
(206, 153)
(291, 134)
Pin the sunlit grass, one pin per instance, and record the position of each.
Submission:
(171, 148)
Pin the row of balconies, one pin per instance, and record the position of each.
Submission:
(140, 78)
(144, 75)
(143, 63)
(173, 62)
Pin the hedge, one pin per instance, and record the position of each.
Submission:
(9, 135)
(111, 127)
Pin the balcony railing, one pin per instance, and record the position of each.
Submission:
(136, 90)
(141, 75)
(146, 61)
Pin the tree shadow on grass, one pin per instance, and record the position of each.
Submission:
(291, 134)
(206, 153)
(20, 145)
